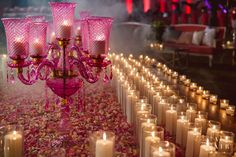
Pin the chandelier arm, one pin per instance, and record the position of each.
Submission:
(85, 72)
(79, 50)
(45, 63)
(22, 78)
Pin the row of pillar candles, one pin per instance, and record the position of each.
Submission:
(153, 100)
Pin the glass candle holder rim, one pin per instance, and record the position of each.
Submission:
(148, 116)
(62, 3)
(194, 128)
(12, 127)
(98, 18)
(165, 145)
(39, 23)
(227, 133)
(214, 123)
(202, 113)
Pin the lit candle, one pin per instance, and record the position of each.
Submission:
(192, 134)
(65, 30)
(224, 103)
(226, 143)
(199, 90)
(213, 131)
(18, 47)
(191, 114)
(104, 147)
(205, 149)
(171, 118)
(148, 140)
(213, 99)
(37, 48)
(52, 38)
(98, 46)
(230, 110)
(181, 122)
(187, 82)
(202, 121)
(161, 112)
(160, 153)
(78, 31)
(13, 144)
(205, 94)
(193, 86)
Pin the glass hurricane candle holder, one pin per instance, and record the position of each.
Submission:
(37, 36)
(201, 120)
(17, 35)
(213, 129)
(163, 149)
(102, 144)
(193, 86)
(205, 94)
(14, 141)
(98, 38)
(63, 18)
(171, 118)
(224, 103)
(193, 133)
(213, 99)
(199, 90)
(226, 142)
(181, 122)
(206, 147)
(182, 78)
(191, 111)
(230, 110)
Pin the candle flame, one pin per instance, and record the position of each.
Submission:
(148, 121)
(160, 149)
(104, 136)
(65, 22)
(18, 39)
(36, 40)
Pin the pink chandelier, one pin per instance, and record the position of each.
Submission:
(66, 60)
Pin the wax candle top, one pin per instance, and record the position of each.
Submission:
(104, 136)
(66, 23)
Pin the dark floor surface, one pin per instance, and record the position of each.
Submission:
(220, 79)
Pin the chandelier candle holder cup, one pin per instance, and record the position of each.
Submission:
(54, 63)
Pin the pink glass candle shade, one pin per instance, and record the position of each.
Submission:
(51, 35)
(17, 35)
(37, 38)
(99, 32)
(36, 18)
(63, 18)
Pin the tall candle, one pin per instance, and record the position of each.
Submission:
(65, 30)
(160, 153)
(191, 114)
(104, 147)
(192, 134)
(13, 145)
(205, 149)
(52, 38)
(148, 140)
(18, 47)
(171, 118)
(179, 129)
(202, 122)
(37, 48)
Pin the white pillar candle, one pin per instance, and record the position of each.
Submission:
(52, 38)
(98, 47)
(148, 140)
(104, 147)
(213, 131)
(160, 153)
(203, 123)
(18, 47)
(171, 118)
(226, 144)
(191, 114)
(192, 134)
(65, 30)
(13, 144)
(161, 112)
(205, 149)
(37, 48)
(129, 106)
(156, 100)
(180, 129)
